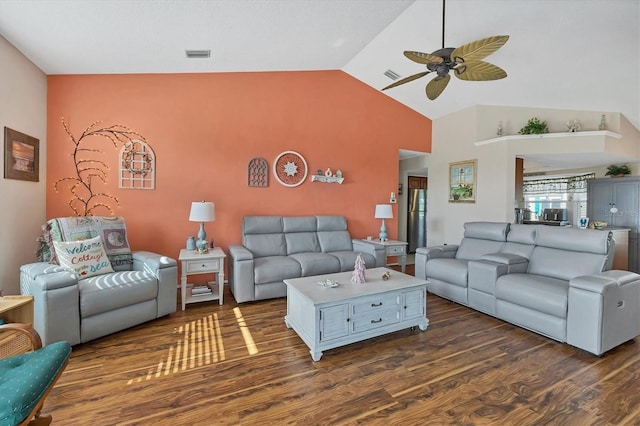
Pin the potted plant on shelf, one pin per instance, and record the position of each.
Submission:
(534, 127)
(617, 171)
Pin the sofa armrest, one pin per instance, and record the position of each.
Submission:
(603, 310)
(165, 269)
(375, 250)
(56, 299)
(424, 254)
(512, 260)
(238, 252)
(605, 281)
(241, 278)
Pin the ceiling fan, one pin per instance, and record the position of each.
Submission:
(465, 62)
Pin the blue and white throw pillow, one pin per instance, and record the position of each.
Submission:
(85, 258)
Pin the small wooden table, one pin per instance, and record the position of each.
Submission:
(16, 309)
(194, 263)
(392, 248)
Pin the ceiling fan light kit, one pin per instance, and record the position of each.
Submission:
(465, 62)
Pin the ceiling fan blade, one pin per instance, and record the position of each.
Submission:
(479, 71)
(422, 58)
(479, 49)
(436, 86)
(407, 79)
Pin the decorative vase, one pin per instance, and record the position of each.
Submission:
(191, 243)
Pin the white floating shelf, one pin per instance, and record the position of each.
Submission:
(326, 179)
(605, 133)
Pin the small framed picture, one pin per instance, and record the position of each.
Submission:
(21, 156)
(584, 222)
(462, 181)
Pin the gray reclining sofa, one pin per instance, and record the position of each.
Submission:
(554, 281)
(275, 248)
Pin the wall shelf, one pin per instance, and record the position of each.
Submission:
(603, 133)
(326, 179)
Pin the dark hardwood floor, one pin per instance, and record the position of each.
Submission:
(239, 365)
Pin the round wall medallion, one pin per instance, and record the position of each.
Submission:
(290, 168)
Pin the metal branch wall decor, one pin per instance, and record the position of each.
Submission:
(85, 197)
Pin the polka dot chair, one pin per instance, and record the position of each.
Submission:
(28, 372)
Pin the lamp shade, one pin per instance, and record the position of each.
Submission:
(383, 211)
(202, 211)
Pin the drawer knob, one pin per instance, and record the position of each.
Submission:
(373, 305)
(376, 321)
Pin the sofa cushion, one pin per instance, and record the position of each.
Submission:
(106, 293)
(494, 231)
(543, 294)
(299, 224)
(581, 240)
(262, 225)
(482, 238)
(275, 268)
(473, 249)
(564, 264)
(316, 263)
(331, 241)
(347, 259)
(331, 223)
(521, 240)
(452, 271)
(302, 242)
(84, 258)
(262, 245)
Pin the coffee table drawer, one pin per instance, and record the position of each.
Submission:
(379, 319)
(380, 302)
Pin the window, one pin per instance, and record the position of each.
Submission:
(568, 192)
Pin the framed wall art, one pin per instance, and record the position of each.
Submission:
(462, 181)
(21, 156)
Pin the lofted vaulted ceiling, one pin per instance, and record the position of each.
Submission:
(563, 54)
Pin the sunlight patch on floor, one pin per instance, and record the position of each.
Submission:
(200, 343)
(246, 333)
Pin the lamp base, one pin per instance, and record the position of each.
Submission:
(383, 232)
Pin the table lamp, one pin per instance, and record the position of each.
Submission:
(202, 212)
(383, 211)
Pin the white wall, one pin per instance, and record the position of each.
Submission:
(454, 138)
(23, 107)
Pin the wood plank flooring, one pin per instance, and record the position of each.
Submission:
(239, 365)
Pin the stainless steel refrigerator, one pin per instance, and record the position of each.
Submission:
(417, 219)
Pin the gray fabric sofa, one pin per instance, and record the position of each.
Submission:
(554, 281)
(142, 287)
(275, 248)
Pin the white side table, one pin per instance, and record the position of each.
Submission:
(393, 248)
(194, 263)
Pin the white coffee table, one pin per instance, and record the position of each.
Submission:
(327, 318)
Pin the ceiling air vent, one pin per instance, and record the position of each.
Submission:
(392, 75)
(198, 54)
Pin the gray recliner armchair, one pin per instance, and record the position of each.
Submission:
(68, 307)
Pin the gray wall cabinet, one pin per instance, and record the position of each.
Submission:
(624, 194)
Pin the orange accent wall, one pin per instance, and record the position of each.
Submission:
(205, 128)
